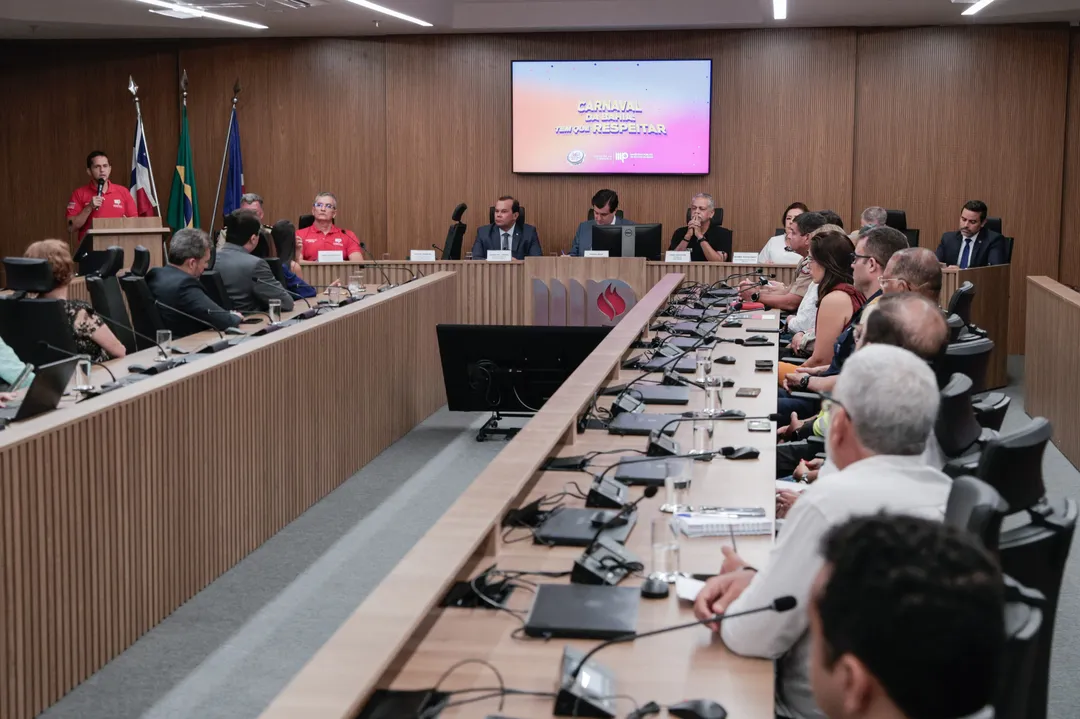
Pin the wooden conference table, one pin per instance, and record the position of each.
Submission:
(399, 639)
(116, 510)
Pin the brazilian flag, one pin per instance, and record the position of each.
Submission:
(183, 200)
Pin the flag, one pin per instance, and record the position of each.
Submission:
(183, 200)
(234, 181)
(142, 185)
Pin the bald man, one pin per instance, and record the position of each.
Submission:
(915, 269)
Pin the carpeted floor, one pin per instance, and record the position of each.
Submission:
(231, 649)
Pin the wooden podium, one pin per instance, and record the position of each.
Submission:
(989, 310)
(129, 233)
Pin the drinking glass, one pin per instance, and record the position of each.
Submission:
(714, 402)
(274, 310)
(83, 383)
(386, 256)
(335, 294)
(164, 338)
(703, 431)
(665, 549)
(704, 358)
(356, 284)
(468, 255)
(679, 472)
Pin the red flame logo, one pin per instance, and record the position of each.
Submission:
(610, 303)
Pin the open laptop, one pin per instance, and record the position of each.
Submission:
(47, 389)
(583, 611)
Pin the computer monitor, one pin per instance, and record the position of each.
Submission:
(629, 240)
(510, 368)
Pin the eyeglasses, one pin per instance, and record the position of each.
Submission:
(855, 257)
(325, 206)
(883, 280)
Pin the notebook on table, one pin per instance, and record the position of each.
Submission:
(717, 525)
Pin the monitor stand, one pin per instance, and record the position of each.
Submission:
(629, 241)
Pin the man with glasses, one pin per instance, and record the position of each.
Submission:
(915, 269)
(885, 405)
(325, 236)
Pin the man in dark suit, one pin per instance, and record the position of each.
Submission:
(177, 285)
(973, 245)
(247, 278)
(604, 204)
(505, 233)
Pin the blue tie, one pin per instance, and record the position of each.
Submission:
(965, 256)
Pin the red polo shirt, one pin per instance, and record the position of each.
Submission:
(336, 240)
(116, 202)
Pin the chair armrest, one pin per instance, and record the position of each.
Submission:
(794, 360)
(804, 395)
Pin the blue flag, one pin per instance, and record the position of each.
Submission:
(234, 180)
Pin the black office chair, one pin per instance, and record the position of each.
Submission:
(1012, 464)
(1008, 250)
(107, 299)
(976, 507)
(1025, 611)
(960, 302)
(896, 219)
(592, 214)
(145, 317)
(455, 236)
(968, 358)
(215, 288)
(305, 222)
(112, 261)
(140, 261)
(779, 231)
(491, 214)
(991, 408)
(275, 268)
(957, 431)
(994, 224)
(717, 219)
(25, 324)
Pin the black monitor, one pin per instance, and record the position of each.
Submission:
(618, 240)
(510, 368)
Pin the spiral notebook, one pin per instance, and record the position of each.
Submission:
(713, 525)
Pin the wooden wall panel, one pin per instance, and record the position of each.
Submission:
(63, 100)
(1069, 250)
(946, 115)
(449, 137)
(312, 118)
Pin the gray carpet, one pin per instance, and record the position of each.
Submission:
(231, 649)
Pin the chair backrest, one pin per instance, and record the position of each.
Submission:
(896, 219)
(28, 274)
(1024, 621)
(107, 299)
(140, 261)
(717, 218)
(1012, 464)
(305, 222)
(1008, 250)
(956, 327)
(994, 224)
(976, 507)
(956, 428)
(112, 262)
(968, 358)
(145, 317)
(1035, 555)
(912, 237)
(215, 288)
(275, 268)
(592, 214)
(779, 231)
(455, 236)
(491, 215)
(960, 302)
(42, 321)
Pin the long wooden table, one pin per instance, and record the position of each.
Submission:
(1052, 362)
(399, 639)
(116, 510)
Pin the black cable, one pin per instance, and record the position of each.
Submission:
(428, 713)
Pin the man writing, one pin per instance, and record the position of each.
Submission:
(505, 233)
(177, 285)
(98, 198)
(325, 236)
(705, 241)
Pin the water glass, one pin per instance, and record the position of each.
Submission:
(714, 401)
(704, 359)
(468, 255)
(678, 473)
(274, 310)
(703, 432)
(336, 294)
(83, 383)
(356, 284)
(665, 549)
(164, 338)
(386, 256)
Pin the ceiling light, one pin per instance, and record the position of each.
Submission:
(779, 9)
(977, 7)
(391, 13)
(194, 11)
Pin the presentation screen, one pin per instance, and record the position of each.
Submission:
(612, 117)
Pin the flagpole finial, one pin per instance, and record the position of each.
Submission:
(132, 87)
(184, 85)
(236, 87)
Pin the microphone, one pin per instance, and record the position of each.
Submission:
(63, 351)
(151, 340)
(389, 285)
(307, 314)
(620, 517)
(442, 250)
(204, 323)
(100, 186)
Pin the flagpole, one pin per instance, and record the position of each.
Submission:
(224, 156)
(134, 90)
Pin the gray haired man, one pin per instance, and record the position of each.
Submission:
(706, 242)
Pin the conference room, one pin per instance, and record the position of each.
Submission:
(524, 359)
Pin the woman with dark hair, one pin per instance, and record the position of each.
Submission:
(775, 252)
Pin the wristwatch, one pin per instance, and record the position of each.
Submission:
(804, 383)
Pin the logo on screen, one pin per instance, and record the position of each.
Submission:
(622, 156)
(610, 304)
(575, 157)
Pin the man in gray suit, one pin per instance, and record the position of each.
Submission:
(247, 279)
(505, 233)
(604, 204)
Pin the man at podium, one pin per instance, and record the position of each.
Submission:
(99, 197)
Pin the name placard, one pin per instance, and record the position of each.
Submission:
(675, 256)
(596, 253)
(422, 255)
(331, 256)
(744, 258)
(499, 256)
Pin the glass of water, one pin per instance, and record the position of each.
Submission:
(679, 473)
(83, 383)
(274, 310)
(665, 549)
(356, 284)
(703, 432)
(704, 359)
(714, 402)
(164, 339)
(468, 255)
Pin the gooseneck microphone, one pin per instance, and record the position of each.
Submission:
(287, 290)
(69, 353)
(626, 511)
(151, 340)
(204, 323)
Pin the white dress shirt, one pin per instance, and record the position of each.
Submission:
(774, 251)
(806, 318)
(901, 485)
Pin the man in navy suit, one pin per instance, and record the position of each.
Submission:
(604, 204)
(177, 285)
(505, 233)
(973, 245)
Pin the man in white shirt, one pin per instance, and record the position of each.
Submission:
(886, 403)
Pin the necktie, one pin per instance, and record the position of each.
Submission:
(506, 241)
(965, 256)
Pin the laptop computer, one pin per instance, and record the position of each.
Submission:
(653, 393)
(575, 528)
(701, 329)
(641, 425)
(46, 391)
(583, 611)
(642, 474)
